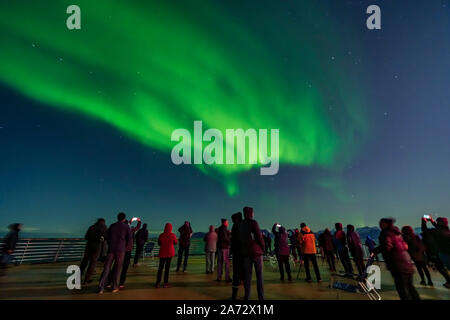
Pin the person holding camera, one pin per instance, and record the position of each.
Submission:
(437, 242)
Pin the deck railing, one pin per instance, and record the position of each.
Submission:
(68, 249)
(49, 250)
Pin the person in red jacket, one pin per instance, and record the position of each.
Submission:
(167, 241)
(398, 261)
(416, 250)
(355, 247)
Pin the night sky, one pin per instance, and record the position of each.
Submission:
(86, 115)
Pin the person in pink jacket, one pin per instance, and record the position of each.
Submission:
(167, 241)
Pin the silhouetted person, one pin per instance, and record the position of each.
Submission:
(437, 243)
(326, 243)
(167, 241)
(295, 245)
(355, 247)
(282, 250)
(223, 246)
(185, 241)
(210, 249)
(265, 238)
(127, 257)
(95, 237)
(9, 246)
(118, 237)
(267, 244)
(300, 236)
(309, 253)
(416, 250)
(342, 250)
(236, 252)
(141, 239)
(370, 243)
(252, 252)
(397, 259)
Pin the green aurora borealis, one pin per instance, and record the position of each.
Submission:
(148, 69)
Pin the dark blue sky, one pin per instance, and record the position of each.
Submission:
(60, 170)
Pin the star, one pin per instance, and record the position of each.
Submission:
(385, 114)
(332, 58)
(33, 45)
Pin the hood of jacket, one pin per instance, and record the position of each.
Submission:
(168, 228)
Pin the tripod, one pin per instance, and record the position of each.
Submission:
(300, 263)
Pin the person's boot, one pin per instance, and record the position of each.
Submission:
(423, 283)
(234, 293)
(430, 283)
(447, 285)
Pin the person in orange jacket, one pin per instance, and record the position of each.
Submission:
(309, 253)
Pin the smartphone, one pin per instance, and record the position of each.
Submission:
(426, 216)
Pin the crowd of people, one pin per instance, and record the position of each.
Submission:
(245, 245)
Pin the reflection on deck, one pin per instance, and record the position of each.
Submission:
(48, 281)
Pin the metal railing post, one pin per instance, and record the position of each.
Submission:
(59, 249)
(24, 251)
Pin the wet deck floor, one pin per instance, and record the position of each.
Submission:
(48, 281)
